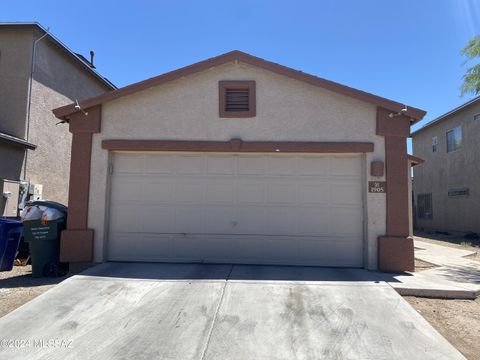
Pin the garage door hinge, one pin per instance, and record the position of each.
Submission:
(110, 168)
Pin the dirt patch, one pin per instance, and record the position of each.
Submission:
(18, 287)
(457, 320)
(421, 265)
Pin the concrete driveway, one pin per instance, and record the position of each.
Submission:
(187, 311)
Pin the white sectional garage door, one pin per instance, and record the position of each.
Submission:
(257, 209)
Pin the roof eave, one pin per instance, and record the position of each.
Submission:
(447, 115)
(16, 141)
(413, 113)
(68, 51)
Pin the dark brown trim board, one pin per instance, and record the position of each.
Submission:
(237, 56)
(395, 249)
(415, 160)
(237, 145)
(76, 243)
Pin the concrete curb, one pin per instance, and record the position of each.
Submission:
(438, 293)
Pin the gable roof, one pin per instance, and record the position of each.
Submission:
(80, 60)
(414, 113)
(447, 114)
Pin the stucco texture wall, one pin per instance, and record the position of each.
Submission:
(15, 60)
(443, 171)
(57, 81)
(187, 109)
(11, 161)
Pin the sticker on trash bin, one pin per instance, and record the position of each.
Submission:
(41, 233)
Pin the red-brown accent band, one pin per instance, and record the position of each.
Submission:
(392, 126)
(237, 145)
(395, 254)
(77, 241)
(397, 180)
(395, 249)
(76, 245)
(392, 106)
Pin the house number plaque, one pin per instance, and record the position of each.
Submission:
(379, 187)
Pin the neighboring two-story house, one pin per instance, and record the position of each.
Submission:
(447, 186)
(38, 73)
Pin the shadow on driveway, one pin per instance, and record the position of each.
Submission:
(223, 272)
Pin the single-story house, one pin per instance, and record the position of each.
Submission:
(236, 159)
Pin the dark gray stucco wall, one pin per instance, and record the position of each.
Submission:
(15, 60)
(443, 171)
(11, 161)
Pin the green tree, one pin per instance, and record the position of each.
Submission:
(471, 80)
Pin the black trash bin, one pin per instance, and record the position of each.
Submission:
(43, 237)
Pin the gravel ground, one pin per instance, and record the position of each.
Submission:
(457, 320)
(18, 287)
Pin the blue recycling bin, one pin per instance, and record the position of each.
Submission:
(11, 231)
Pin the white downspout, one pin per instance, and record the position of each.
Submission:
(29, 99)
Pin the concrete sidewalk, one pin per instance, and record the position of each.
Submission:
(456, 277)
(220, 312)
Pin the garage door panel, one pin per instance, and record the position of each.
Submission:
(346, 193)
(125, 218)
(346, 221)
(221, 165)
(281, 165)
(190, 164)
(188, 220)
(249, 192)
(190, 191)
(126, 189)
(314, 193)
(220, 192)
(265, 209)
(159, 164)
(313, 165)
(157, 191)
(129, 163)
(314, 221)
(281, 193)
(280, 220)
(220, 219)
(157, 219)
(343, 165)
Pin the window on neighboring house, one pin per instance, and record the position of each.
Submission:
(237, 99)
(476, 117)
(434, 144)
(424, 206)
(454, 139)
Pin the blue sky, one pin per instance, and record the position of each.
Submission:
(405, 50)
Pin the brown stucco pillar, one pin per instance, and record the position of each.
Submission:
(76, 243)
(395, 249)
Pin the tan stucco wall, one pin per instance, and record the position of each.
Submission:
(57, 81)
(443, 171)
(287, 110)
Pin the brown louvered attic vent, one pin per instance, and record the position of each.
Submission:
(237, 99)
